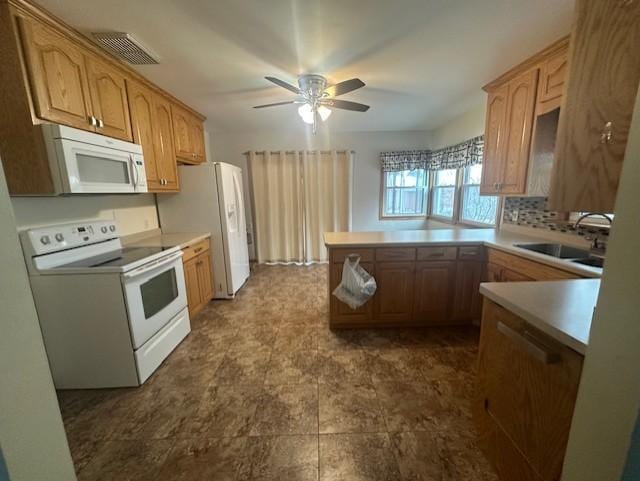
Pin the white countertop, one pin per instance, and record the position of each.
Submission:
(170, 239)
(489, 237)
(561, 309)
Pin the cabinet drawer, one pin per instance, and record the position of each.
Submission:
(339, 255)
(437, 253)
(396, 254)
(193, 250)
(470, 253)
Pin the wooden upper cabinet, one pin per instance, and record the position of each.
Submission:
(183, 137)
(198, 139)
(553, 74)
(188, 134)
(494, 140)
(151, 122)
(109, 99)
(604, 71)
(57, 75)
(518, 127)
(163, 143)
(142, 119)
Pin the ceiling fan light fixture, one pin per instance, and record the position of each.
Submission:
(324, 112)
(306, 112)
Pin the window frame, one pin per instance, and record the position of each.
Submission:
(457, 204)
(383, 188)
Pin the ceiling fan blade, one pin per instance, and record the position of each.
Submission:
(345, 105)
(274, 104)
(344, 87)
(283, 84)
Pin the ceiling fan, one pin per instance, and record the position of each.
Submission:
(318, 97)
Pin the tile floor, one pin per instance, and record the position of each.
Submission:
(263, 390)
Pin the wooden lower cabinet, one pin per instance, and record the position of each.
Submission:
(198, 279)
(409, 292)
(504, 267)
(342, 313)
(396, 286)
(526, 389)
(467, 302)
(434, 287)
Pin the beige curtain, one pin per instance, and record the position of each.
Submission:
(327, 195)
(296, 197)
(277, 199)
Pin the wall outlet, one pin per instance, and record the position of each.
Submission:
(514, 215)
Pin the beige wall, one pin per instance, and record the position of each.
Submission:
(134, 213)
(609, 395)
(461, 128)
(31, 431)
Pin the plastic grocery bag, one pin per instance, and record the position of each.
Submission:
(357, 285)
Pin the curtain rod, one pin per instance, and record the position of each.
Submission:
(301, 150)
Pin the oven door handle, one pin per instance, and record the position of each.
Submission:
(152, 265)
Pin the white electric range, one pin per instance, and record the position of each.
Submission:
(109, 314)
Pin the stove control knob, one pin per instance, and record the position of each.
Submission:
(103, 229)
(45, 239)
(59, 237)
(112, 228)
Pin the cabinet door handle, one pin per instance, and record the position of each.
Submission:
(529, 344)
(198, 250)
(93, 121)
(100, 123)
(437, 254)
(607, 133)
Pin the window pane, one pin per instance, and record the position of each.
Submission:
(445, 177)
(473, 174)
(477, 208)
(443, 201)
(404, 193)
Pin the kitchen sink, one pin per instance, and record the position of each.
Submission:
(557, 250)
(590, 261)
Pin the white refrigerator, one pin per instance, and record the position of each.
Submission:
(211, 200)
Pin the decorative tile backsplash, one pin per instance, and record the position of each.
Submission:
(532, 212)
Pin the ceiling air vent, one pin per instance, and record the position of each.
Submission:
(124, 46)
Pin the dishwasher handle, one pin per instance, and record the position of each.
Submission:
(529, 344)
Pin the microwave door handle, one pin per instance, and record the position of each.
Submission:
(152, 266)
(134, 169)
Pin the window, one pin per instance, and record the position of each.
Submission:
(455, 197)
(444, 193)
(404, 193)
(452, 195)
(475, 208)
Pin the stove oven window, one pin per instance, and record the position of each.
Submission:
(158, 292)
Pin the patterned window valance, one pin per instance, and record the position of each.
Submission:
(404, 160)
(456, 156)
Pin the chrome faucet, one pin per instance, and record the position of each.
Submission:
(596, 245)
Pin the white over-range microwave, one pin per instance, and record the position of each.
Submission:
(87, 163)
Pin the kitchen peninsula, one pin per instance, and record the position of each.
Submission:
(432, 277)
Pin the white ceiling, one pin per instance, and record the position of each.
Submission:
(424, 61)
